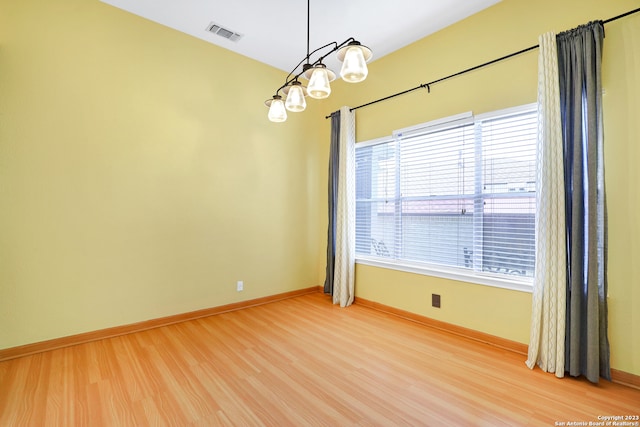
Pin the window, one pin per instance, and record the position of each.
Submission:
(453, 195)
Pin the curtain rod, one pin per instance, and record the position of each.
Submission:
(428, 85)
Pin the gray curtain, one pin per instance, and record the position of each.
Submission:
(334, 158)
(579, 64)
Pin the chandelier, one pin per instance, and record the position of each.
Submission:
(354, 57)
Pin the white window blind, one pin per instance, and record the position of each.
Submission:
(457, 193)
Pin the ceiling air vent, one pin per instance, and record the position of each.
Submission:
(223, 32)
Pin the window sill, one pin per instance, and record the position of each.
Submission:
(486, 279)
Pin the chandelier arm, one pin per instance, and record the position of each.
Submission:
(295, 77)
(349, 40)
(289, 79)
(335, 48)
(322, 47)
(306, 58)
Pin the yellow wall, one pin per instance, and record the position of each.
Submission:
(508, 27)
(139, 175)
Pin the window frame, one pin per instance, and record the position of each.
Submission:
(511, 282)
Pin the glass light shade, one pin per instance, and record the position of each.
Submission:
(354, 68)
(277, 112)
(319, 87)
(295, 98)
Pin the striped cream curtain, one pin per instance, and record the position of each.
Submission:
(547, 339)
(341, 234)
(345, 237)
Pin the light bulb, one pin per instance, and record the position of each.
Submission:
(295, 98)
(319, 83)
(277, 112)
(354, 68)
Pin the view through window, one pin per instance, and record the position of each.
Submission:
(457, 193)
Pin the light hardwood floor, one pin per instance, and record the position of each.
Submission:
(300, 361)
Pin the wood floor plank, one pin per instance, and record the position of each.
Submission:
(297, 362)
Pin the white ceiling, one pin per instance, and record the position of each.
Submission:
(275, 31)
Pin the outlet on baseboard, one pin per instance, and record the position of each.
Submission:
(239, 285)
(435, 300)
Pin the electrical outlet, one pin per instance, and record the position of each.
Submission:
(240, 286)
(435, 300)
